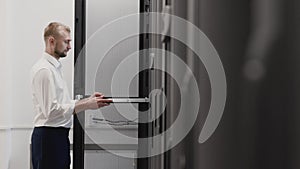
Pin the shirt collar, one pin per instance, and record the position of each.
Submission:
(52, 60)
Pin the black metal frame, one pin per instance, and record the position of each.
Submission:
(144, 88)
(79, 82)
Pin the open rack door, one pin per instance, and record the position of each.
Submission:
(99, 66)
(98, 138)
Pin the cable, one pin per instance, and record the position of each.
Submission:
(115, 123)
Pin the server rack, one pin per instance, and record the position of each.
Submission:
(148, 80)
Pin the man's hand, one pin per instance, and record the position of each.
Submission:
(93, 102)
(99, 100)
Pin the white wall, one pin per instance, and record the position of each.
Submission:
(5, 102)
(21, 45)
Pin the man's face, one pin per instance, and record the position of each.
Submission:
(62, 45)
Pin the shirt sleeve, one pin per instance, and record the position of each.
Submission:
(46, 96)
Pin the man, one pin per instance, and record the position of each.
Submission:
(52, 103)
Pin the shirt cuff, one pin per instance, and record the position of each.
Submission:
(71, 109)
(73, 103)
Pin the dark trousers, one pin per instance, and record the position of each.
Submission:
(50, 148)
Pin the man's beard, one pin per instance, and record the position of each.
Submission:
(60, 54)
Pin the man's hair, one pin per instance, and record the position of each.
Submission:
(54, 29)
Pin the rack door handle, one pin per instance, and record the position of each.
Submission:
(119, 99)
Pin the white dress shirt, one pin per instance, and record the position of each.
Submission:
(51, 99)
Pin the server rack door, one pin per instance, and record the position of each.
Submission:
(99, 135)
(94, 72)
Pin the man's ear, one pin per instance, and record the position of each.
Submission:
(51, 40)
